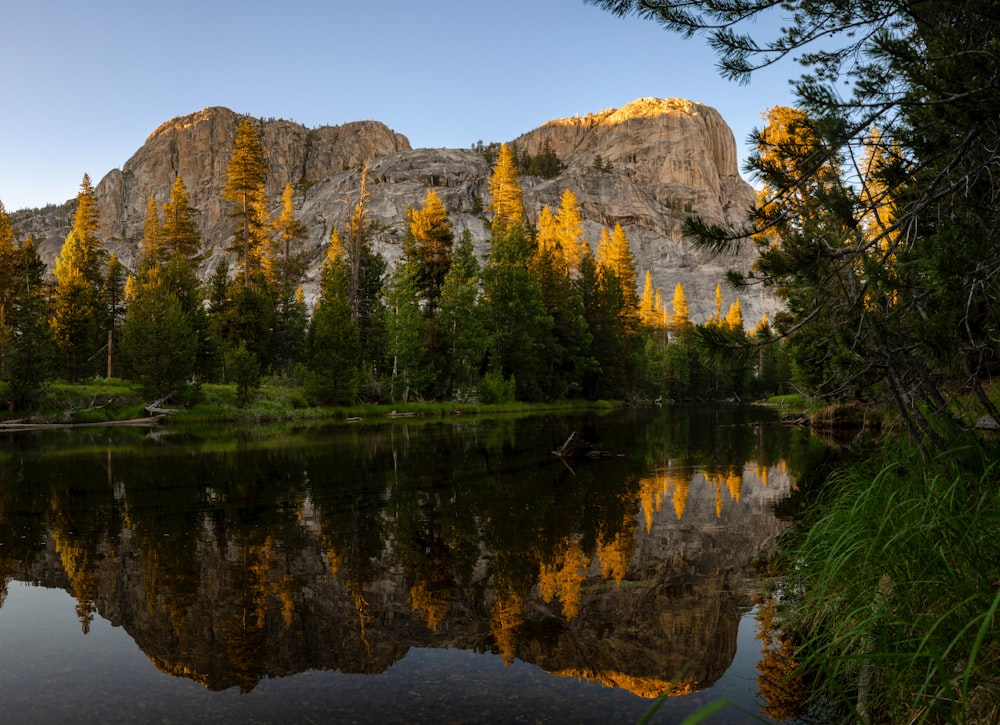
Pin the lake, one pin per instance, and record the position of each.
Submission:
(408, 571)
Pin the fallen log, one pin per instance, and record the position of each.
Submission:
(572, 447)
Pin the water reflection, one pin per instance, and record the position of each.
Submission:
(232, 559)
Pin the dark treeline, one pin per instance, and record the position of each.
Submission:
(543, 318)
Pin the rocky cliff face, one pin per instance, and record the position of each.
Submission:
(668, 158)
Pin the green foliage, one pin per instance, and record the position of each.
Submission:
(516, 320)
(406, 337)
(896, 580)
(494, 389)
(159, 340)
(461, 336)
(29, 355)
(333, 343)
(601, 165)
(244, 371)
(544, 164)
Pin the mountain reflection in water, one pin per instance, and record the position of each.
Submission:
(232, 559)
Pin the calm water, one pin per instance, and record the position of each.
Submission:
(438, 573)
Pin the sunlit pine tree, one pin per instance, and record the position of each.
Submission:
(647, 305)
(506, 197)
(76, 318)
(427, 246)
(615, 253)
(680, 320)
(734, 318)
(569, 229)
(179, 231)
(246, 174)
(547, 233)
(151, 250)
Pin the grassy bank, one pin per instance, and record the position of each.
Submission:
(115, 400)
(894, 588)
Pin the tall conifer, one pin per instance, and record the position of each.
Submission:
(245, 176)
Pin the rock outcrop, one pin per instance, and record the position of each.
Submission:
(661, 160)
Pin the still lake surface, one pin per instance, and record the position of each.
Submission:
(419, 572)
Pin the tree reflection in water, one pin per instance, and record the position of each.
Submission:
(231, 559)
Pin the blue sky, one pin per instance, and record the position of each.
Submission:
(87, 82)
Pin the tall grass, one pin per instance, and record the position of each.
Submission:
(896, 588)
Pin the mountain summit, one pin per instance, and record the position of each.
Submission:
(648, 166)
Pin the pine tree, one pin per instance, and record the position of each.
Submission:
(615, 253)
(515, 315)
(427, 246)
(151, 252)
(547, 233)
(460, 324)
(333, 345)
(29, 360)
(506, 198)
(77, 320)
(245, 176)
(680, 321)
(179, 231)
(716, 319)
(284, 263)
(405, 336)
(569, 228)
(158, 340)
(8, 258)
(8, 271)
(647, 305)
(112, 300)
(284, 267)
(734, 318)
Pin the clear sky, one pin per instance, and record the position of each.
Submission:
(86, 82)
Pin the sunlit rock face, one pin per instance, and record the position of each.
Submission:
(660, 161)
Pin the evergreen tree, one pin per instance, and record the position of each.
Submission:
(547, 232)
(8, 271)
(647, 305)
(151, 251)
(179, 231)
(566, 351)
(112, 300)
(615, 253)
(76, 315)
(333, 345)
(159, 341)
(680, 321)
(89, 258)
(406, 336)
(459, 323)
(516, 320)
(284, 267)
(602, 303)
(29, 359)
(245, 176)
(734, 318)
(427, 246)
(506, 198)
(569, 229)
